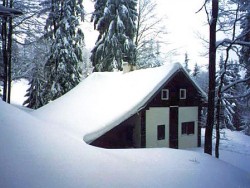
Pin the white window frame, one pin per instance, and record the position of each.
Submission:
(185, 93)
(164, 94)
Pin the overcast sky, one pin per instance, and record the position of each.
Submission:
(183, 25)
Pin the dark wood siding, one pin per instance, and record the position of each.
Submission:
(178, 81)
(173, 128)
(124, 135)
(199, 127)
(143, 129)
(119, 137)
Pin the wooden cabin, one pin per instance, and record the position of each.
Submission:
(170, 117)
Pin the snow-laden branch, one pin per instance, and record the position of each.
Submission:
(245, 95)
(229, 41)
(234, 83)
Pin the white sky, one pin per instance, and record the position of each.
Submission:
(183, 24)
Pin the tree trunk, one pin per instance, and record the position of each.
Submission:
(9, 53)
(5, 61)
(218, 111)
(212, 70)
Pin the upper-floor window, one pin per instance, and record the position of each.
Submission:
(183, 93)
(164, 94)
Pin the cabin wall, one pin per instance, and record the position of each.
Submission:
(135, 121)
(157, 117)
(188, 114)
(180, 110)
(125, 135)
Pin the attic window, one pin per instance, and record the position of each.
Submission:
(187, 128)
(161, 132)
(164, 94)
(183, 93)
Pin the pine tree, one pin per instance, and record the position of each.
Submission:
(115, 21)
(245, 56)
(186, 66)
(36, 84)
(245, 26)
(62, 70)
(230, 116)
(149, 55)
(36, 77)
(196, 71)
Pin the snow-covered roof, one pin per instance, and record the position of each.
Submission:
(106, 99)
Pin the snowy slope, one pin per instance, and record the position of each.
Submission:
(38, 154)
(235, 149)
(104, 100)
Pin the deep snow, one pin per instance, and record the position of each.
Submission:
(40, 152)
(37, 154)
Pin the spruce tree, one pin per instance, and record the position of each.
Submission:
(115, 21)
(245, 33)
(62, 69)
(229, 105)
(36, 77)
(33, 93)
(196, 71)
(186, 61)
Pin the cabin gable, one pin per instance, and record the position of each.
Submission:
(177, 91)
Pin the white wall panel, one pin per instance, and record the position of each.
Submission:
(188, 114)
(154, 117)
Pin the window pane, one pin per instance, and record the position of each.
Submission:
(164, 94)
(191, 128)
(182, 93)
(187, 128)
(161, 132)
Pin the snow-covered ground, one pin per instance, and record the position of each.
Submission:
(234, 148)
(35, 152)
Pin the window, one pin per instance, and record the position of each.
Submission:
(187, 128)
(164, 94)
(161, 132)
(183, 93)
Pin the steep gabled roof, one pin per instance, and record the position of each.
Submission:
(104, 100)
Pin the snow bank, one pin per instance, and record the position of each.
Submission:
(38, 154)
